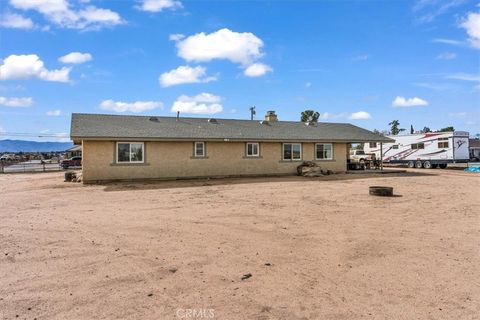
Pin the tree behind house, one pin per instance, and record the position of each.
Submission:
(394, 127)
(447, 129)
(310, 116)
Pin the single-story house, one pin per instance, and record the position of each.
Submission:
(75, 151)
(119, 147)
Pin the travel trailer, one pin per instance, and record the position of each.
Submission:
(424, 150)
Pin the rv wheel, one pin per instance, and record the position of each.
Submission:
(442, 165)
(418, 164)
(434, 166)
(427, 165)
(411, 164)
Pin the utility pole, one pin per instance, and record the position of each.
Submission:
(252, 112)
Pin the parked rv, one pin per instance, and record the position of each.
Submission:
(7, 157)
(424, 150)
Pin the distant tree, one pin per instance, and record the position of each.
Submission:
(412, 131)
(426, 130)
(447, 129)
(376, 131)
(359, 146)
(394, 127)
(310, 116)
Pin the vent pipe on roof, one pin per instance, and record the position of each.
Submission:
(178, 115)
(271, 116)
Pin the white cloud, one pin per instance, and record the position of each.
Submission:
(447, 56)
(464, 77)
(54, 113)
(20, 67)
(205, 103)
(448, 41)
(257, 70)
(136, 107)
(457, 114)
(184, 74)
(75, 58)
(176, 37)
(15, 21)
(159, 5)
(16, 102)
(411, 102)
(360, 115)
(472, 25)
(243, 48)
(329, 116)
(60, 13)
(428, 10)
(308, 84)
(361, 57)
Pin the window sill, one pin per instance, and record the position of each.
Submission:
(253, 157)
(299, 160)
(129, 164)
(198, 158)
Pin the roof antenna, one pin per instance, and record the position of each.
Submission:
(252, 112)
(178, 115)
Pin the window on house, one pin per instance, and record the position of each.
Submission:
(443, 142)
(324, 151)
(373, 144)
(130, 152)
(395, 146)
(292, 151)
(418, 146)
(199, 149)
(253, 149)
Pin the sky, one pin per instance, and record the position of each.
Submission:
(362, 62)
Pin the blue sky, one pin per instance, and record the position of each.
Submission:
(364, 62)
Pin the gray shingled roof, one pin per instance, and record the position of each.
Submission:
(100, 126)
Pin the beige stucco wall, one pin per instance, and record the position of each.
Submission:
(165, 160)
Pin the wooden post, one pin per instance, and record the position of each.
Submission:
(381, 156)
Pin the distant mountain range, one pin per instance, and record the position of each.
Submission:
(32, 146)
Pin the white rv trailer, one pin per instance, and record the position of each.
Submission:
(424, 150)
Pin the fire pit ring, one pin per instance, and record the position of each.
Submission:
(381, 191)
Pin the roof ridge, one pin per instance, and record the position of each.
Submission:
(194, 118)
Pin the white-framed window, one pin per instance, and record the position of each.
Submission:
(292, 151)
(395, 146)
(130, 152)
(323, 151)
(199, 149)
(372, 144)
(253, 149)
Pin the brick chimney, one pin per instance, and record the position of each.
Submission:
(271, 116)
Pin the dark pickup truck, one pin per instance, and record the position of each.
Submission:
(72, 162)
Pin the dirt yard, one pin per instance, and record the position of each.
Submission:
(318, 248)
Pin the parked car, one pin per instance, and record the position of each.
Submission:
(72, 162)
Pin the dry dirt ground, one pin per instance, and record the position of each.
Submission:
(318, 248)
